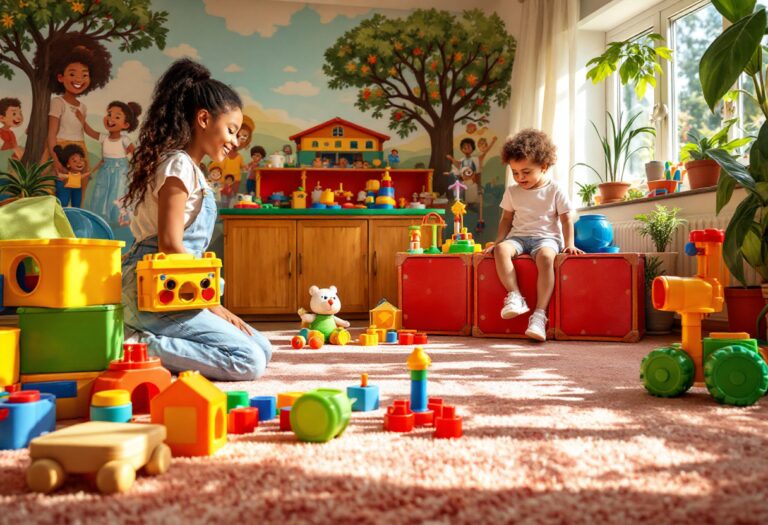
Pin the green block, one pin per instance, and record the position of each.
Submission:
(418, 375)
(237, 398)
(59, 340)
(711, 345)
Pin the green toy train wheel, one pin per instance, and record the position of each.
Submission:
(667, 372)
(736, 376)
(320, 415)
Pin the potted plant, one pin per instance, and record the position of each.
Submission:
(634, 194)
(587, 193)
(659, 225)
(704, 172)
(26, 180)
(736, 51)
(656, 321)
(617, 151)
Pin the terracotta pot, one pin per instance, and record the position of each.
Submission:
(744, 305)
(654, 170)
(702, 173)
(613, 191)
(656, 321)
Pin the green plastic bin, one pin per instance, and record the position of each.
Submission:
(57, 340)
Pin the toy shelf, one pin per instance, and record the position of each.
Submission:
(404, 212)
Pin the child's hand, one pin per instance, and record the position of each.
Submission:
(62, 176)
(80, 116)
(231, 318)
(489, 249)
(572, 250)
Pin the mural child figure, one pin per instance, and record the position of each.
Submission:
(78, 65)
(466, 170)
(228, 190)
(214, 181)
(290, 158)
(484, 147)
(110, 176)
(233, 164)
(10, 117)
(257, 156)
(70, 183)
(191, 115)
(393, 158)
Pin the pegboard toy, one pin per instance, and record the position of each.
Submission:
(112, 405)
(461, 241)
(285, 419)
(435, 224)
(111, 451)
(267, 406)
(385, 316)
(194, 411)
(418, 362)
(286, 399)
(144, 377)
(242, 420)
(237, 398)
(399, 417)
(61, 273)
(76, 407)
(9, 355)
(448, 424)
(320, 415)
(414, 239)
(364, 397)
(25, 415)
(178, 281)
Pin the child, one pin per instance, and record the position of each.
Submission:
(466, 170)
(69, 186)
(111, 174)
(529, 224)
(191, 115)
(11, 117)
(290, 159)
(257, 155)
(228, 190)
(393, 159)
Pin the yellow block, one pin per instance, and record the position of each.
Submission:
(178, 281)
(9, 355)
(287, 399)
(111, 398)
(72, 407)
(70, 272)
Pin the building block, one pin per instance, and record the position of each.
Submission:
(287, 399)
(425, 418)
(9, 355)
(267, 406)
(320, 415)
(405, 338)
(386, 316)
(52, 339)
(613, 285)
(340, 337)
(435, 292)
(420, 339)
(16, 387)
(77, 407)
(178, 281)
(113, 452)
(111, 405)
(194, 411)
(60, 389)
(448, 425)
(418, 362)
(237, 398)
(285, 419)
(399, 417)
(144, 377)
(489, 296)
(61, 273)
(25, 415)
(435, 404)
(242, 420)
(364, 397)
(369, 339)
(391, 337)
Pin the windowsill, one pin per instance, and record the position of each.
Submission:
(670, 196)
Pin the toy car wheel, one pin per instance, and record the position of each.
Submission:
(45, 475)
(667, 372)
(160, 461)
(736, 376)
(115, 476)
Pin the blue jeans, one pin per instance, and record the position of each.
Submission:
(68, 195)
(531, 245)
(250, 186)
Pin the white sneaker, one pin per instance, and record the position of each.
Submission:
(537, 326)
(514, 305)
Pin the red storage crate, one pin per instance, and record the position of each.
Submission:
(600, 297)
(490, 294)
(435, 292)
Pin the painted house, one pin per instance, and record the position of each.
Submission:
(337, 139)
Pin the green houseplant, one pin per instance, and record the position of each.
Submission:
(587, 193)
(702, 170)
(23, 180)
(736, 51)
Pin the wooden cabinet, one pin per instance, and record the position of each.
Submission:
(387, 237)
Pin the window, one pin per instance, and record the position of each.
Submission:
(353, 144)
(315, 144)
(368, 144)
(337, 144)
(338, 131)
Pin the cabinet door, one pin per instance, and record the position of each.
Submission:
(387, 237)
(260, 266)
(334, 252)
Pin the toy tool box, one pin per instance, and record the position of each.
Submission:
(435, 292)
(600, 297)
(179, 281)
(489, 296)
(60, 273)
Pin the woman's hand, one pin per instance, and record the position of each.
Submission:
(572, 250)
(231, 318)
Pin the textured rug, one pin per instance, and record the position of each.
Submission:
(554, 433)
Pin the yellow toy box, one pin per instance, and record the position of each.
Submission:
(9, 355)
(61, 273)
(179, 281)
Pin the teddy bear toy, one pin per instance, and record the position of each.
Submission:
(322, 326)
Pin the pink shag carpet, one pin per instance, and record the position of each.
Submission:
(554, 433)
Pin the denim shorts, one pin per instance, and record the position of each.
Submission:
(531, 245)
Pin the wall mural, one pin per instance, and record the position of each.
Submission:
(434, 83)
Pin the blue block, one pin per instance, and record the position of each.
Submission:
(60, 389)
(418, 395)
(20, 423)
(318, 206)
(391, 337)
(267, 406)
(365, 398)
(115, 414)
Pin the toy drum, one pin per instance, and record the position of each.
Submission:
(321, 415)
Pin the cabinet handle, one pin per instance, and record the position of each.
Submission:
(290, 264)
(299, 265)
(375, 263)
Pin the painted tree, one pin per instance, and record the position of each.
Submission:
(432, 70)
(30, 29)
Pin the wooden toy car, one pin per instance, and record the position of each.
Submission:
(111, 451)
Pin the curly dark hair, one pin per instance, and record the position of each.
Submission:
(530, 144)
(73, 48)
(8, 102)
(258, 149)
(64, 153)
(131, 110)
(184, 89)
(467, 141)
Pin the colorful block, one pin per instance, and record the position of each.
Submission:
(9, 354)
(285, 419)
(391, 337)
(405, 338)
(286, 399)
(179, 281)
(399, 417)
(448, 425)
(385, 315)
(24, 416)
(111, 405)
(364, 397)
(237, 398)
(267, 406)
(420, 339)
(60, 389)
(243, 420)
(369, 339)
(71, 407)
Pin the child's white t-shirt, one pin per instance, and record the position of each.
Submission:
(176, 164)
(114, 149)
(70, 127)
(537, 211)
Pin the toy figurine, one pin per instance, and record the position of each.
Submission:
(290, 158)
(324, 304)
(393, 159)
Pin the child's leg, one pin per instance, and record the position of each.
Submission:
(545, 285)
(504, 252)
(76, 196)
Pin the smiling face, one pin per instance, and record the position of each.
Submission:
(115, 120)
(467, 149)
(76, 78)
(217, 136)
(12, 118)
(76, 163)
(243, 137)
(527, 174)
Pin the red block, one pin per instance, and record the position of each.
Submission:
(424, 419)
(435, 292)
(420, 339)
(448, 425)
(405, 339)
(243, 420)
(490, 294)
(399, 417)
(600, 297)
(435, 404)
(285, 419)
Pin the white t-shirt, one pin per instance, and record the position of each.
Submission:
(536, 211)
(176, 164)
(114, 149)
(70, 127)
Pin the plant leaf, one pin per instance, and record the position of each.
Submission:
(725, 186)
(752, 246)
(734, 9)
(731, 167)
(737, 229)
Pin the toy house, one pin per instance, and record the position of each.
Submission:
(386, 316)
(336, 139)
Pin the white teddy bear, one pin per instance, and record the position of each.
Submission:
(324, 304)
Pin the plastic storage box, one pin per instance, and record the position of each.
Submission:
(178, 282)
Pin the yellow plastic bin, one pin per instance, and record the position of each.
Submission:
(9, 355)
(178, 282)
(61, 273)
